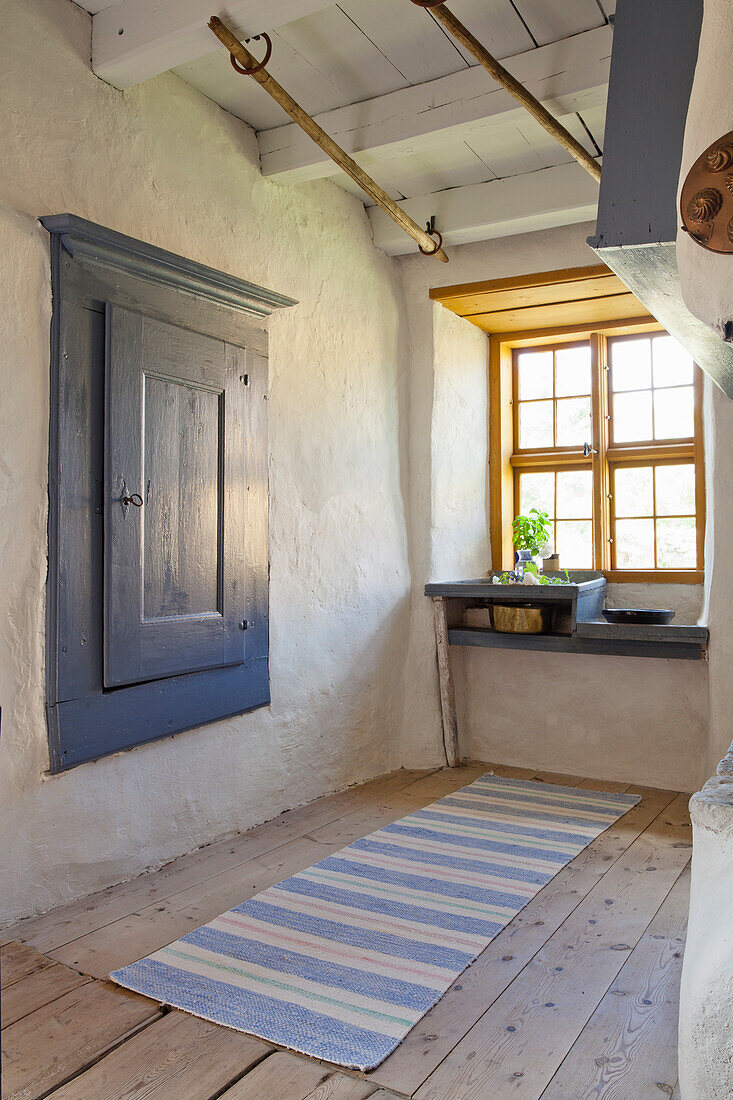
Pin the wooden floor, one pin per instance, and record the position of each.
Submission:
(576, 998)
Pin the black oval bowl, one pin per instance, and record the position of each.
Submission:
(650, 616)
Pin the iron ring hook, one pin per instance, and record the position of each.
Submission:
(136, 500)
(438, 243)
(257, 68)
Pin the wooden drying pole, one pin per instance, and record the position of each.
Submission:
(256, 70)
(515, 89)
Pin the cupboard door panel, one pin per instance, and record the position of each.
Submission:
(181, 435)
(175, 500)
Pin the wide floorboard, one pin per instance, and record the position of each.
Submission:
(576, 998)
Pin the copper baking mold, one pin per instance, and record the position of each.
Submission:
(706, 202)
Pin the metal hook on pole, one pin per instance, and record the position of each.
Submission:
(257, 68)
(432, 232)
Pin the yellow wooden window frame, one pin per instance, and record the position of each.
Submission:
(505, 460)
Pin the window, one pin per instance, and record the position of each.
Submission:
(606, 437)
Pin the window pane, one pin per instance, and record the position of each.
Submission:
(573, 421)
(574, 544)
(537, 491)
(676, 544)
(575, 494)
(672, 364)
(632, 417)
(535, 374)
(535, 424)
(633, 491)
(631, 364)
(674, 416)
(572, 371)
(634, 544)
(676, 490)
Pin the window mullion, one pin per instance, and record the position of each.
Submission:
(554, 515)
(554, 401)
(699, 459)
(601, 493)
(654, 520)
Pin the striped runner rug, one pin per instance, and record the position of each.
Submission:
(340, 961)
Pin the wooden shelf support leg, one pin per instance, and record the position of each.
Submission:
(445, 678)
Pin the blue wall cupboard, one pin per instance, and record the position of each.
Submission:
(157, 604)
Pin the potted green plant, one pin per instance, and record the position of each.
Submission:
(530, 534)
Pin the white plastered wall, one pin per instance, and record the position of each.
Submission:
(378, 426)
(609, 717)
(706, 996)
(707, 286)
(163, 164)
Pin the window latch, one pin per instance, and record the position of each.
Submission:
(588, 450)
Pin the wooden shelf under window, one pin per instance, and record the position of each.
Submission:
(678, 648)
(578, 623)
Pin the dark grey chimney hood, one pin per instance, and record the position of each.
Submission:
(652, 67)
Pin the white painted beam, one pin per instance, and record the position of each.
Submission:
(133, 40)
(563, 195)
(567, 76)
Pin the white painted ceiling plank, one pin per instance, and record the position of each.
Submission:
(352, 187)
(511, 153)
(595, 120)
(548, 150)
(433, 170)
(550, 20)
(564, 195)
(136, 39)
(413, 42)
(421, 48)
(567, 76)
(418, 175)
(342, 52)
(507, 152)
(214, 77)
(293, 68)
(93, 6)
(529, 147)
(496, 24)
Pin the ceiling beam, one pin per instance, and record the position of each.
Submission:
(567, 76)
(135, 39)
(562, 195)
